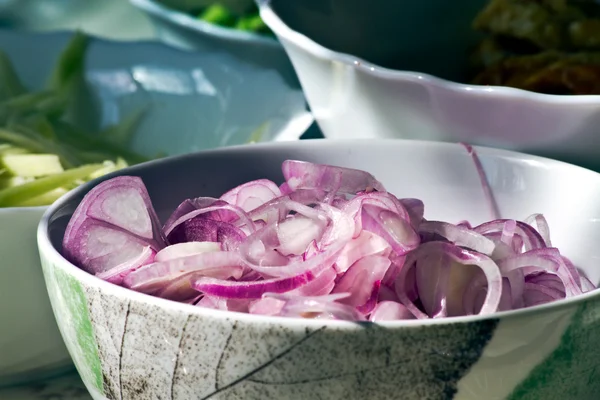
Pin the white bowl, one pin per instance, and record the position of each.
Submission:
(196, 101)
(179, 29)
(129, 346)
(353, 98)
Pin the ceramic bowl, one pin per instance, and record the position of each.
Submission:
(113, 19)
(127, 345)
(194, 102)
(339, 49)
(177, 28)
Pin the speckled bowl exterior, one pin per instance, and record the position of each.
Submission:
(128, 345)
(194, 101)
(335, 46)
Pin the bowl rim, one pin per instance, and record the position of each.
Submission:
(282, 30)
(176, 17)
(50, 253)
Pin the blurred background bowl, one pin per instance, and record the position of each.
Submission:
(176, 26)
(193, 101)
(113, 19)
(388, 69)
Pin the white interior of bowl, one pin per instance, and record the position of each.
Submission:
(442, 175)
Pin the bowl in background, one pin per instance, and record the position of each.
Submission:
(177, 28)
(113, 19)
(128, 345)
(388, 69)
(192, 101)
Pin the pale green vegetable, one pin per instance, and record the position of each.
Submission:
(31, 165)
(43, 154)
(14, 196)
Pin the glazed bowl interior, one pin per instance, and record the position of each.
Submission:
(401, 35)
(442, 175)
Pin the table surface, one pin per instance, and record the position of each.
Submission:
(114, 19)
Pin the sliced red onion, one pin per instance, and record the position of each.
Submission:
(508, 232)
(120, 214)
(487, 191)
(251, 290)
(460, 256)
(278, 209)
(317, 307)
(252, 194)
(432, 273)
(535, 294)
(173, 278)
(366, 244)
(330, 243)
(125, 203)
(531, 238)
(384, 215)
(546, 279)
(189, 205)
(531, 260)
(465, 224)
(337, 233)
(213, 212)
(460, 236)
(266, 306)
(586, 284)
(322, 285)
(296, 233)
(99, 247)
(415, 209)
(308, 196)
(186, 249)
(305, 175)
(362, 281)
(201, 229)
(394, 270)
(542, 227)
(387, 293)
(390, 311)
(116, 274)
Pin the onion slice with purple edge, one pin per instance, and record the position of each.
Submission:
(328, 243)
(251, 195)
(305, 175)
(114, 230)
(156, 277)
(437, 289)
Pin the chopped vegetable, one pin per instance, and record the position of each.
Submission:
(42, 153)
(220, 14)
(329, 243)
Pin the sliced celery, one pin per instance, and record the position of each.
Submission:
(44, 199)
(13, 196)
(31, 165)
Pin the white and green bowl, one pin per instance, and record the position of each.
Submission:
(128, 345)
(193, 102)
